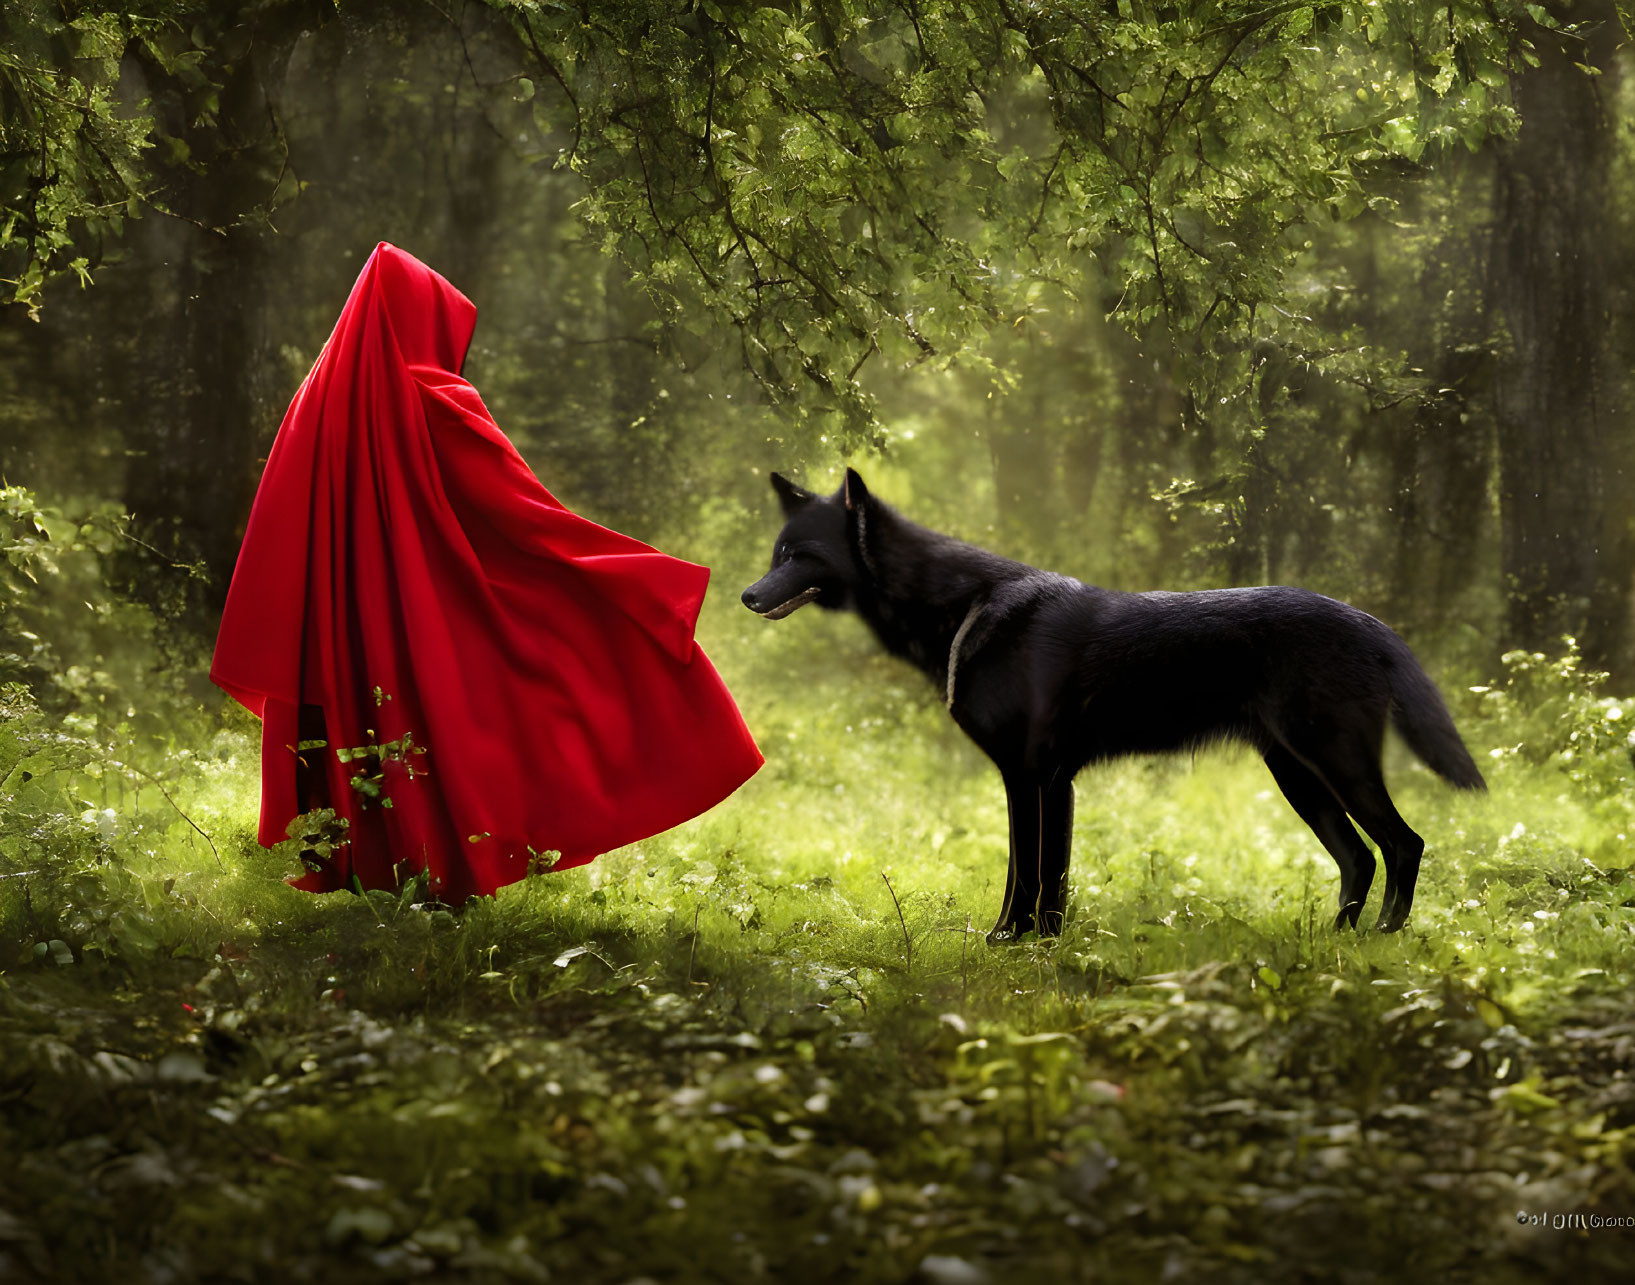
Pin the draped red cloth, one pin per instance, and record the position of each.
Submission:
(545, 664)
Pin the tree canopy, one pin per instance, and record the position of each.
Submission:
(835, 180)
(1219, 215)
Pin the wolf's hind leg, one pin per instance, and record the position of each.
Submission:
(1349, 761)
(1325, 814)
(1367, 799)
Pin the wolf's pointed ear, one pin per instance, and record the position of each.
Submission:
(855, 492)
(790, 496)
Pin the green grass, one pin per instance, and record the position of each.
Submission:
(733, 1052)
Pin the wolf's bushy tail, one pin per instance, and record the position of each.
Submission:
(1420, 715)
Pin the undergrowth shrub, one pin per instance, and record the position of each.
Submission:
(94, 719)
(1555, 710)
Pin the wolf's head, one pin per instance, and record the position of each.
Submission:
(815, 558)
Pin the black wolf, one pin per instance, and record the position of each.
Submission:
(1047, 674)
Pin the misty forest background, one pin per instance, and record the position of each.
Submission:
(1177, 296)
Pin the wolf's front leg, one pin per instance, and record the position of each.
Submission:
(1041, 841)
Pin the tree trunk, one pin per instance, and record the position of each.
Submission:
(1550, 393)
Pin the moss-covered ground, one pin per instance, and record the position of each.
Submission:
(773, 1045)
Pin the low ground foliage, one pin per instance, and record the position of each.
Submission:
(772, 1044)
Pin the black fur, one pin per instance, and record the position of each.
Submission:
(1052, 674)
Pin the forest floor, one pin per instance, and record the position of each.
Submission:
(736, 1052)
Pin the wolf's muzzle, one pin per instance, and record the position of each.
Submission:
(753, 602)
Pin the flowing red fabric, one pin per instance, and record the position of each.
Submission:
(545, 664)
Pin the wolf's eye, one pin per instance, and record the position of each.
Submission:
(781, 552)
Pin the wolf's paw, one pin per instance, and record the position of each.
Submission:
(1348, 916)
(1008, 934)
(1393, 914)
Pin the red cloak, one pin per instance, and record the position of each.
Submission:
(404, 573)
